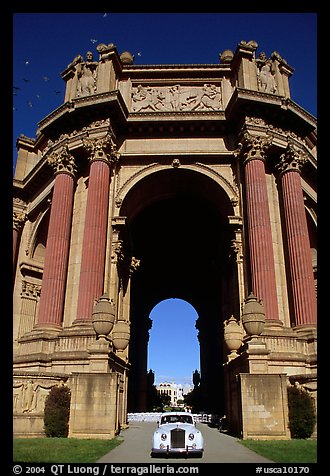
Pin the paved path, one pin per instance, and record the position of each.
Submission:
(218, 447)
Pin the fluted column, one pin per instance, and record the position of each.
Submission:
(58, 241)
(299, 255)
(258, 221)
(102, 154)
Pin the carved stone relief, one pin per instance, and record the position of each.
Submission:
(176, 98)
(29, 395)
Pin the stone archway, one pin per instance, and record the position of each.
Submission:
(178, 227)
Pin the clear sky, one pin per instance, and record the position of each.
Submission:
(45, 43)
(173, 351)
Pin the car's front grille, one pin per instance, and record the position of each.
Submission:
(177, 438)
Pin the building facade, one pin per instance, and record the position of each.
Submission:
(175, 391)
(154, 181)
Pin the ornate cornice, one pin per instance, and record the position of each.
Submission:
(63, 162)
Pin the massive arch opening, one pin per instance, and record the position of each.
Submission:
(173, 350)
(178, 227)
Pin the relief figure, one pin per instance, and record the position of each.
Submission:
(176, 98)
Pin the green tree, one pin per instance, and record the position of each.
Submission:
(57, 412)
(302, 416)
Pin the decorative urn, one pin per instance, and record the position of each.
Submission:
(233, 335)
(253, 316)
(103, 317)
(120, 335)
(127, 58)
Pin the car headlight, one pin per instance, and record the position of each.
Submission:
(191, 436)
(163, 436)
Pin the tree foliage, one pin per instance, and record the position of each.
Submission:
(302, 416)
(57, 412)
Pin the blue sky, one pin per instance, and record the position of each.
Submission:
(173, 351)
(45, 43)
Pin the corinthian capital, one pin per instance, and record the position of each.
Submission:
(63, 162)
(293, 159)
(18, 220)
(102, 148)
(254, 147)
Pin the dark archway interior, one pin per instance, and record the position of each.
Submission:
(177, 223)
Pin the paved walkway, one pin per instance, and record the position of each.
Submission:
(218, 447)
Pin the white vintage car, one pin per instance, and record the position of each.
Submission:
(177, 434)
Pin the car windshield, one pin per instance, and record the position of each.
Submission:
(176, 419)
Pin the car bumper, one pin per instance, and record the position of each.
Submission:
(177, 451)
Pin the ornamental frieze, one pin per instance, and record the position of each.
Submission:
(176, 98)
(29, 394)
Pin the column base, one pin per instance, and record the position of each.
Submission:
(305, 329)
(83, 324)
(273, 324)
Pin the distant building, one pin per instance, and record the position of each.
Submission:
(176, 391)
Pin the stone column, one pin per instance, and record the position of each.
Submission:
(18, 221)
(102, 154)
(299, 255)
(58, 240)
(258, 221)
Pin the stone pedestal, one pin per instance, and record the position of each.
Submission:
(99, 356)
(256, 355)
(264, 406)
(94, 401)
(257, 405)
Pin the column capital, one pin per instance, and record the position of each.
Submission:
(30, 290)
(102, 148)
(292, 160)
(253, 147)
(63, 162)
(19, 218)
